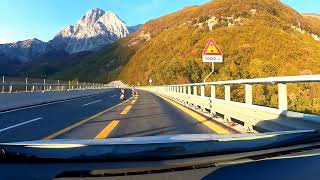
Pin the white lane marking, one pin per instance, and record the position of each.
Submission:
(113, 96)
(91, 103)
(20, 124)
(49, 103)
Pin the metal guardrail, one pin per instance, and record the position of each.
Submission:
(256, 117)
(9, 85)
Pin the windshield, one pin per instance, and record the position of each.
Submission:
(87, 81)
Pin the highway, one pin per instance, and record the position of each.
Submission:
(102, 116)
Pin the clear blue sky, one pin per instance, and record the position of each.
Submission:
(25, 19)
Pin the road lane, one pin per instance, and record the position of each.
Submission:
(55, 116)
(79, 124)
(147, 115)
(151, 115)
(103, 117)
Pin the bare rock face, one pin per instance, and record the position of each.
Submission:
(95, 29)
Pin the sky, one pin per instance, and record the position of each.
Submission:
(42, 19)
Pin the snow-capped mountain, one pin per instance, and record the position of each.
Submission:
(94, 30)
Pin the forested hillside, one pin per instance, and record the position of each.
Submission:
(258, 38)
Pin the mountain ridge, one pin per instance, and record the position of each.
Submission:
(92, 31)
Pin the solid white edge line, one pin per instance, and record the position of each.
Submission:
(92, 102)
(20, 124)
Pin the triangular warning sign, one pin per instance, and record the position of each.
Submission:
(211, 48)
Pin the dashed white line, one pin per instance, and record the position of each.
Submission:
(113, 96)
(91, 103)
(20, 124)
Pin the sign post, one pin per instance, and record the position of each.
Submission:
(211, 53)
(150, 81)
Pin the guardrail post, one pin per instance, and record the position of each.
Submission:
(227, 91)
(184, 89)
(213, 92)
(32, 89)
(44, 84)
(248, 94)
(227, 97)
(10, 89)
(283, 96)
(202, 91)
(189, 93)
(58, 85)
(195, 91)
(3, 84)
(213, 97)
(26, 84)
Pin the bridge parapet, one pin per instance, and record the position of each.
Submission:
(252, 116)
(18, 84)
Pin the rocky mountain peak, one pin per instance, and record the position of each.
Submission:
(91, 17)
(95, 29)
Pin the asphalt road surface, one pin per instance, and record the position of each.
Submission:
(98, 117)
